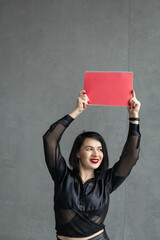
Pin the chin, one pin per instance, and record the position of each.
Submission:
(96, 167)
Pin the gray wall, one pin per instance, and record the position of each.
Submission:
(45, 47)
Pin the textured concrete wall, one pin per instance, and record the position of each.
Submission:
(45, 47)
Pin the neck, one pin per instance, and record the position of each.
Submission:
(86, 174)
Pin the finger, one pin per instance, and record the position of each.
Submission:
(84, 96)
(82, 92)
(133, 93)
(133, 99)
(84, 104)
(132, 102)
(82, 101)
(135, 103)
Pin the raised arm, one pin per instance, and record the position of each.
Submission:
(51, 139)
(54, 160)
(130, 153)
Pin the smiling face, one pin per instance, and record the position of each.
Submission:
(90, 154)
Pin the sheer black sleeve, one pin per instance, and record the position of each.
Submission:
(130, 154)
(54, 160)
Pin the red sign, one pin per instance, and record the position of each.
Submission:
(108, 88)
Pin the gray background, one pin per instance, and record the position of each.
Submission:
(45, 47)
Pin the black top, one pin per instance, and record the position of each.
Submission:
(80, 208)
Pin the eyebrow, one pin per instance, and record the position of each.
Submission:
(92, 146)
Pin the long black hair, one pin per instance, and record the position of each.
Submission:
(73, 159)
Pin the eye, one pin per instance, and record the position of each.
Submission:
(88, 149)
(100, 149)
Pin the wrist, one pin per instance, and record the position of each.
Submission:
(75, 113)
(134, 122)
(134, 119)
(135, 115)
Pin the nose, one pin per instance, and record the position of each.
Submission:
(95, 153)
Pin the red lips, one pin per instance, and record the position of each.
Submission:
(94, 160)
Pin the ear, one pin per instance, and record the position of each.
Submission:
(78, 155)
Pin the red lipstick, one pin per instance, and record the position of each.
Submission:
(94, 160)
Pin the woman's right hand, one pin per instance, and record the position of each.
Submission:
(81, 105)
(82, 101)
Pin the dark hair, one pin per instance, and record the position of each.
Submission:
(74, 161)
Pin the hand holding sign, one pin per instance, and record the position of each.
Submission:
(108, 88)
(81, 104)
(134, 105)
(82, 101)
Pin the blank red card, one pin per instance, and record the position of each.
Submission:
(108, 88)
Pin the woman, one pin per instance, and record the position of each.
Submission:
(81, 194)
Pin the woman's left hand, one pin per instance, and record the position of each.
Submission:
(134, 106)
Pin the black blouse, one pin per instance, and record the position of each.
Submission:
(80, 208)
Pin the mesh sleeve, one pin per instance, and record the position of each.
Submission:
(54, 160)
(130, 154)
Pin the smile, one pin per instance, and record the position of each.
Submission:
(94, 160)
